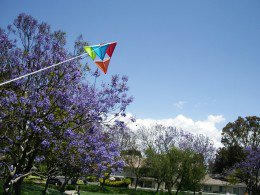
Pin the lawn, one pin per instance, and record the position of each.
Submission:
(36, 189)
(96, 193)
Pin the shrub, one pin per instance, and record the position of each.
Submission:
(54, 187)
(122, 183)
(80, 182)
(70, 187)
(91, 178)
(91, 188)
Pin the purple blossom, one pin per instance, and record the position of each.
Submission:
(45, 144)
(50, 117)
(69, 133)
(39, 159)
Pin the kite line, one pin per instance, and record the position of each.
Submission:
(100, 50)
(42, 69)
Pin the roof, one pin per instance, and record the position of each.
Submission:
(209, 180)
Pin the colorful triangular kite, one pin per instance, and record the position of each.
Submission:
(103, 65)
(101, 50)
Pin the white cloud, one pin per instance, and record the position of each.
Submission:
(206, 127)
(216, 118)
(180, 104)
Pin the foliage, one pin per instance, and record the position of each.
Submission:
(161, 138)
(172, 160)
(70, 187)
(176, 157)
(243, 132)
(123, 135)
(223, 161)
(131, 152)
(194, 171)
(91, 178)
(247, 171)
(53, 121)
(236, 136)
(155, 164)
(122, 183)
(239, 159)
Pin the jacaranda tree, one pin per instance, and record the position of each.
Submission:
(248, 171)
(57, 111)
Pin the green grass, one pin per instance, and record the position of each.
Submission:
(96, 193)
(36, 189)
(32, 189)
(116, 190)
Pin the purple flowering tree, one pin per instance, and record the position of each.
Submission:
(200, 144)
(162, 138)
(248, 171)
(55, 111)
(85, 153)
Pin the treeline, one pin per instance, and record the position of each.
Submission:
(176, 158)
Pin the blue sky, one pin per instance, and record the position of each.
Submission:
(190, 58)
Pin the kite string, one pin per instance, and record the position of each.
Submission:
(37, 71)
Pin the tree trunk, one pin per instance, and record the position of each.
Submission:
(178, 189)
(18, 186)
(180, 184)
(136, 182)
(62, 188)
(7, 187)
(78, 189)
(158, 186)
(104, 180)
(169, 187)
(103, 184)
(46, 186)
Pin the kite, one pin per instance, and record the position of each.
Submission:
(101, 50)
(95, 50)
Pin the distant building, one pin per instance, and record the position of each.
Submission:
(213, 185)
(209, 185)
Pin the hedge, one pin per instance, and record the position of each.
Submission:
(122, 183)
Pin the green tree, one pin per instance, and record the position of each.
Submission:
(243, 132)
(236, 136)
(155, 164)
(194, 170)
(172, 163)
(172, 155)
(223, 160)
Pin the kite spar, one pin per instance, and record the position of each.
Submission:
(96, 50)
